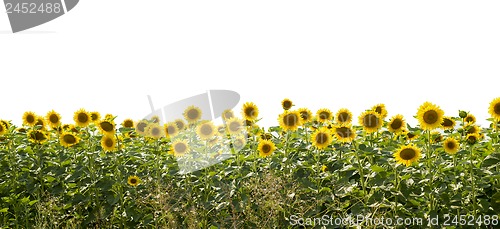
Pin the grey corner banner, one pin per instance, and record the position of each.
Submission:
(26, 14)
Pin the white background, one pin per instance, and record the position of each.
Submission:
(109, 55)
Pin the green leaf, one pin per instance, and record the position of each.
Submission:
(377, 168)
(4, 210)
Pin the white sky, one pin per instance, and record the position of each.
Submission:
(109, 55)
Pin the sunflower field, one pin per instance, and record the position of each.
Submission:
(323, 169)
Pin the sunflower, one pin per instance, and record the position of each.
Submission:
(106, 127)
(371, 121)
(343, 116)
(5, 123)
(53, 119)
(380, 109)
(396, 124)
(171, 129)
(451, 145)
(37, 136)
(192, 114)
(180, 124)
(324, 115)
(290, 120)
(82, 118)
(494, 109)
(40, 123)
(250, 111)
(239, 142)
(436, 136)
(430, 116)
(155, 131)
(470, 118)
(68, 139)
(472, 129)
(128, 123)
(29, 118)
(95, 116)
(321, 138)
(140, 127)
(179, 148)
(305, 114)
(472, 138)
(266, 148)
(411, 136)
(345, 133)
(206, 130)
(108, 143)
(234, 126)
(227, 114)
(286, 104)
(448, 123)
(133, 181)
(3, 129)
(407, 154)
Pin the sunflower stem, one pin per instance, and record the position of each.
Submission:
(473, 185)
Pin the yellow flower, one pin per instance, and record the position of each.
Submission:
(134, 181)
(206, 130)
(108, 143)
(290, 120)
(227, 114)
(494, 109)
(430, 116)
(380, 110)
(53, 118)
(448, 123)
(106, 127)
(451, 145)
(407, 154)
(155, 119)
(3, 129)
(371, 121)
(192, 114)
(234, 126)
(180, 148)
(140, 127)
(40, 122)
(250, 111)
(155, 131)
(343, 116)
(472, 129)
(239, 142)
(324, 115)
(128, 123)
(321, 138)
(305, 114)
(181, 125)
(95, 116)
(470, 118)
(324, 168)
(37, 136)
(286, 104)
(67, 139)
(473, 138)
(82, 118)
(171, 129)
(396, 124)
(344, 133)
(29, 118)
(266, 148)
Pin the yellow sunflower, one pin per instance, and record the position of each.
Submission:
(324, 115)
(179, 148)
(250, 111)
(133, 181)
(206, 130)
(95, 116)
(68, 139)
(234, 126)
(106, 127)
(305, 114)
(345, 133)
(290, 120)
(343, 116)
(108, 143)
(407, 154)
(472, 129)
(321, 138)
(239, 142)
(5, 123)
(227, 114)
(470, 118)
(411, 136)
(155, 119)
(171, 129)
(82, 118)
(266, 148)
(128, 123)
(436, 136)
(140, 127)
(192, 114)
(181, 125)
(380, 110)
(430, 116)
(451, 145)
(371, 121)
(286, 104)
(37, 136)
(396, 124)
(40, 123)
(155, 131)
(3, 129)
(494, 109)
(53, 119)
(473, 138)
(29, 118)
(448, 123)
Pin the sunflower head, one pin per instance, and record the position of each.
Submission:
(95, 116)
(234, 126)
(305, 114)
(266, 148)
(239, 142)
(430, 116)
(106, 126)
(324, 115)
(472, 138)
(206, 130)
(171, 129)
(286, 104)
(53, 119)
(436, 136)
(82, 118)
(411, 136)
(133, 181)
(470, 118)
(407, 154)
(472, 129)
(37, 136)
(344, 133)
(494, 109)
(250, 111)
(448, 123)
(343, 116)
(380, 110)
(3, 129)
(451, 145)
(154, 130)
(108, 143)
(29, 118)
(68, 139)
(290, 120)
(181, 125)
(371, 121)
(227, 114)
(179, 148)
(192, 114)
(141, 126)
(396, 124)
(321, 138)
